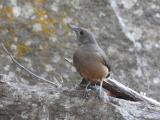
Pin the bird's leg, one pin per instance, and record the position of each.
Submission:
(100, 89)
(86, 94)
(101, 93)
(95, 84)
(87, 86)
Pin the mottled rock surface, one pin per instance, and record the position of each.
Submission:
(37, 34)
(19, 101)
(139, 20)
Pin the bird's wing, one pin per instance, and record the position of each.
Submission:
(97, 51)
(104, 60)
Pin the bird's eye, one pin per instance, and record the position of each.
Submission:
(81, 32)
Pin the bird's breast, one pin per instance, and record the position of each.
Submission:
(89, 66)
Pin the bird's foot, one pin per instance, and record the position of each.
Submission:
(87, 93)
(101, 94)
(98, 92)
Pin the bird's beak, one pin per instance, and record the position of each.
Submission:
(74, 28)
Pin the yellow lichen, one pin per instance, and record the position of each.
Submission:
(39, 2)
(65, 26)
(40, 12)
(12, 32)
(22, 50)
(46, 22)
(48, 32)
(66, 29)
(7, 11)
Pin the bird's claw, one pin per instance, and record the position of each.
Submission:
(87, 93)
(101, 95)
(98, 92)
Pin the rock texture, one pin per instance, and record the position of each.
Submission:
(37, 34)
(140, 25)
(44, 102)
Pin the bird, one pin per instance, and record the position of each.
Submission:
(89, 59)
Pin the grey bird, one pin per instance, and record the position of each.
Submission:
(89, 59)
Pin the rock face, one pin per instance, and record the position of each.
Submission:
(140, 24)
(44, 102)
(38, 36)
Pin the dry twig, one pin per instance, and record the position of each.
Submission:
(27, 70)
(121, 91)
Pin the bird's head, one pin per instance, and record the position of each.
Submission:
(83, 35)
